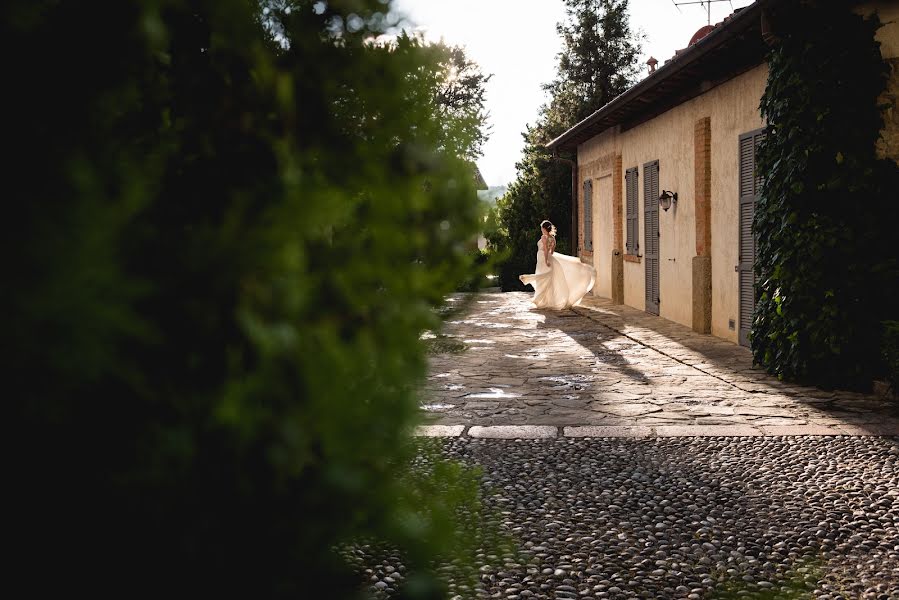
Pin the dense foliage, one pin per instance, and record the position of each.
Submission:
(541, 191)
(891, 355)
(827, 260)
(226, 229)
(597, 63)
(460, 97)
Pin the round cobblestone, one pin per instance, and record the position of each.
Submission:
(688, 517)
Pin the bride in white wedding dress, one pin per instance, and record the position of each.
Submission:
(560, 281)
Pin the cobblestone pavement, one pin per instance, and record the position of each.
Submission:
(758, 517)
(613, 366)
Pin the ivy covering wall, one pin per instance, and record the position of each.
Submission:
(826, 220)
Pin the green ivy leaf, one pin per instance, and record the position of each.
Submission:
(814, 243)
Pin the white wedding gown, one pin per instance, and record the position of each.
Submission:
(561, 285)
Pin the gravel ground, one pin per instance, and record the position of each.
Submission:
(685, 518)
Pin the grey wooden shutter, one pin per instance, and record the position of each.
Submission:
(750, 187)
(588, 215)
(651, 235)
(632, 229)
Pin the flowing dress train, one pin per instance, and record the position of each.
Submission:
(561, 285)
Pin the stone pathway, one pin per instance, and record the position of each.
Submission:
(629, 457)
(610, 370)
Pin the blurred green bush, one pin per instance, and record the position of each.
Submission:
(482, 264)
(227, 224)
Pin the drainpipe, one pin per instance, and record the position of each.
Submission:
(574, 206)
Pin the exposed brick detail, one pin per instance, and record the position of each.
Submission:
(702, 262)
(702, 294)
(584, 173)
(617, 226)
(581, 251)
(617, 277)
(702, 161)
(617, 187)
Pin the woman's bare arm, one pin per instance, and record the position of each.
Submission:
(546, 250)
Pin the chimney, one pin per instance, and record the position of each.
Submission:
(652, 62)
(768, 34)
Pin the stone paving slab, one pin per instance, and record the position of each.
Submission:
(802, 430)
(707, 431)
(439, 430)
(602, 365)
(888, 430)
(511, 432)
(641, 431)
(600, 431)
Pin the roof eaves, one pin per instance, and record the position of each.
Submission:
(713, 39)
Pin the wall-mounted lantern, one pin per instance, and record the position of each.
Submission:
(666, 199)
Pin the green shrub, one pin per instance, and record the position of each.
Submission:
(597, 62)
(890, 349)
(481, 266)
(542, 191)
(797, 583)
(225, 232)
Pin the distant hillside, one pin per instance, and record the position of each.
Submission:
(492, 193)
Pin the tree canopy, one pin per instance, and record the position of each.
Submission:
(598, 61)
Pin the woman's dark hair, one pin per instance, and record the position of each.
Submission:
(549, 227)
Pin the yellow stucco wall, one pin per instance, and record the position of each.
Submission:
(734, 111)
(668, 138)
(888, 36)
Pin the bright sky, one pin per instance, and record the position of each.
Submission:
(516, 41)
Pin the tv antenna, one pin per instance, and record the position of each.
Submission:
(707, 4)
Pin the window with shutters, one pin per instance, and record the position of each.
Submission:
(651, 255)
(632, 228)
(588, 215)
(750, 187)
